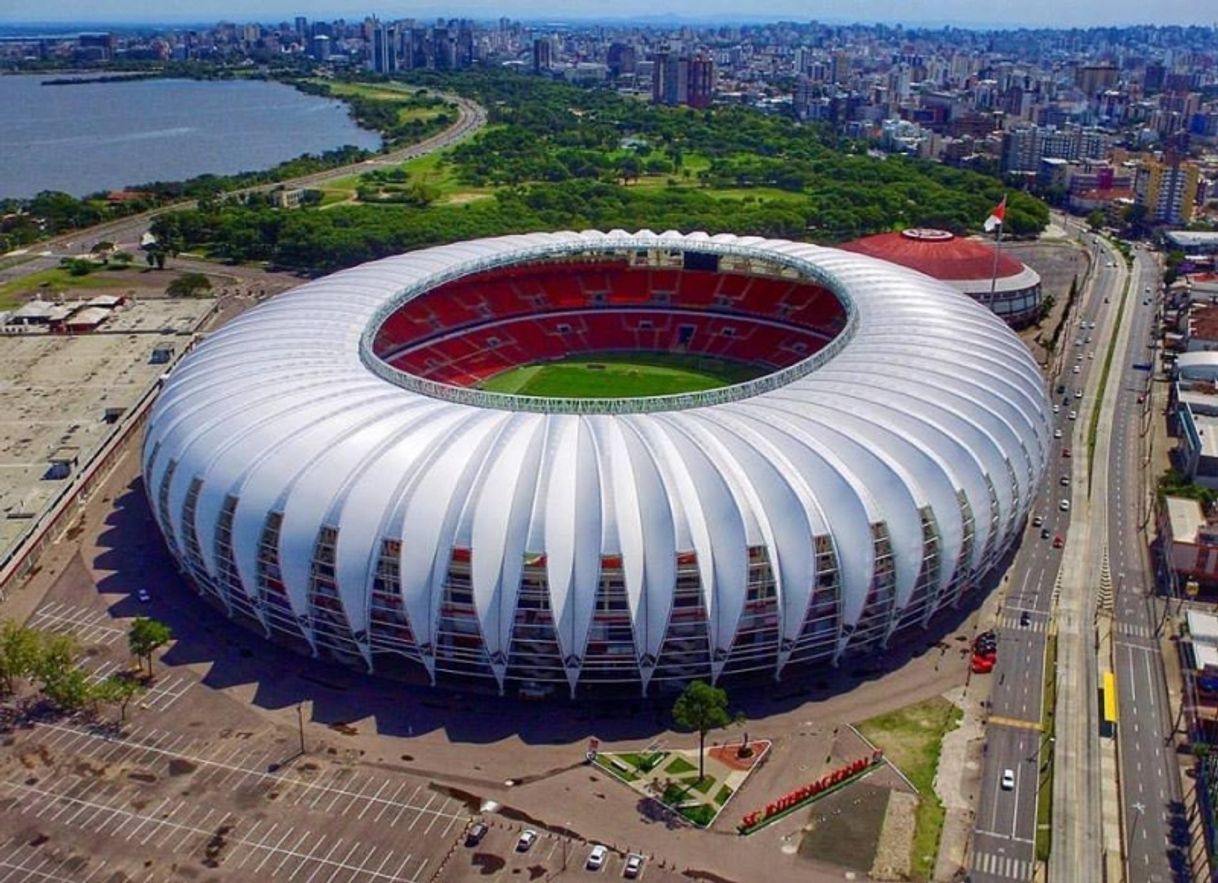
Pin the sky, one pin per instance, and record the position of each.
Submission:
(965, 13)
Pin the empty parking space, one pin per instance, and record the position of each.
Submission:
(233, 806)
(85, 624)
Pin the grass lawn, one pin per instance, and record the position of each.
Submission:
(613, 376)
(911, 738)
(1044, 797)
(56, 279)
(724, 793)
(702, 786)
(679, 766)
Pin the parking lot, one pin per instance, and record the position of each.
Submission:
(156, 802)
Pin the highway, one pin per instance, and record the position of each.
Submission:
(1006, 820)
(46, 254)
(1154, 823)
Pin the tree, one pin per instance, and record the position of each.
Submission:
(118, 690)
(188, 285)
(1096, 220)
(20, 650)
(69, 688)
(146, 636)
(703, 708)
(122, 257)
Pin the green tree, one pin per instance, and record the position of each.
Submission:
(146, 636)
(189, 285)
(1096, 220)
(69, 688)
(703, 708)
(20, 651)
(122, 257)
(118, 690)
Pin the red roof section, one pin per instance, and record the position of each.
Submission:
(937, 253)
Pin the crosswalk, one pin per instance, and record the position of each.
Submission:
(1002, 866)
(1135, 630)
(1037, 623)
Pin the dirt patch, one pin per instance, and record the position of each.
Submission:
(31, 759)
(215, 846)
(844, 828)
(345, 729)
(892, 853)
(141, 776)
(180, 767)
(487, 864)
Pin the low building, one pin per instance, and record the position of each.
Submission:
(1190, 541)
(39, 312)
(1203, 635)
(81, 321)
(992, 277)
(1192, 242)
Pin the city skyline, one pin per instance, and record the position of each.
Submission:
(962, 13)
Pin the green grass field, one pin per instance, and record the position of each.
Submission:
(619, 376)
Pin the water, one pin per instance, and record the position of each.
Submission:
(104, 136)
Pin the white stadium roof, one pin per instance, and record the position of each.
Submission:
(926, 409)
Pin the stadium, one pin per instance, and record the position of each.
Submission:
(598, 460)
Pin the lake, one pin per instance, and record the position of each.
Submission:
(104, 136)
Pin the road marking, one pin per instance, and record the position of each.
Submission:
(1002, 866)
(1015, 722)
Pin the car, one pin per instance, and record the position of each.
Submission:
(1073, 415)
(1147, 289)
(1008, 780)
(1038, 520)
(1078, 341)
(1145, 301)
(526, 840)
(1057, 409)
(1057, 433)
(596, 858)
(1078, 393)
(475, 834)
(1092, 326)
(1141, 398)
(1044, 533)
(143, 595)
(1088, 340)
(1065, 480)
(1066, 453)
(1064, 505)
(1061, 387)
(634, 866)
(1076, 369)
(1090, 355)
(1025, 619)
(1058, 542)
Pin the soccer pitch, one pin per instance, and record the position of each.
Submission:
(620, 376)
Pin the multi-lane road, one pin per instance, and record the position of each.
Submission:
(1048, 590)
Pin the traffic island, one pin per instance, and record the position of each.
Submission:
(670, 777)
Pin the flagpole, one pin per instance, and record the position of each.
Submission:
(997, 248)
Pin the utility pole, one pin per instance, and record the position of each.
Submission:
(300, 724)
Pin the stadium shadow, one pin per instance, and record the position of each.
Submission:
(131, 555)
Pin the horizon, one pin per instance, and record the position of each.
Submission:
(1034, 14)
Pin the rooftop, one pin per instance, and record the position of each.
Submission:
(938, 253)
(1203, 627)
(1186, 516)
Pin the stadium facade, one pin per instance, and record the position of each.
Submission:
(325, 469)
(990, 276)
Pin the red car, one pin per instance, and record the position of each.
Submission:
(1066, 453)
(1058, 542)
(1141, 399)
(982, 665)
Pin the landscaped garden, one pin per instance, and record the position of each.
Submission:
(671, 776)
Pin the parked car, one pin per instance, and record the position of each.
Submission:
(596, 858)
(634, 866)
(527, 838)
(475, 834)
(143, 595)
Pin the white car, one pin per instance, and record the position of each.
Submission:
(1074, 415)
(527, 838)
(596, 858)
(1065, 480)
(1038, 520)
(1008, 780)
(1057, 409)
(634, 866)
(1064, 505)
(143, 595)
(1078, 393)
(1057, 433)
(1076, 369)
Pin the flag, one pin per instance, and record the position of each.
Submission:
(997, 215)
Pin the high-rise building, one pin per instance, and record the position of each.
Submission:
(1093, 78)
(543, 54)
(320, 47)
(302, 27)
(1167, 189)
(701, 85)
(621, 59)
(384, 48)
